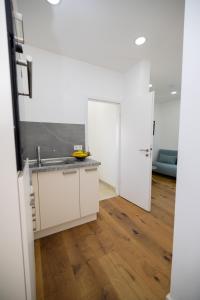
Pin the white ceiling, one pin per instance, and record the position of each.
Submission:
(102, 32)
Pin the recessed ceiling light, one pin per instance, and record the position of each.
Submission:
(173, 92)
(140, 40)
(150, 85)
(53, 2)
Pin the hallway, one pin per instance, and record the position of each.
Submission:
(106, 191)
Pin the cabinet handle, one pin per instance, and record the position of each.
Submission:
(34, 226)
(69, 172)
(32, 202)
(91, 169)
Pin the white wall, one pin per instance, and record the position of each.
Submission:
(185, 280)
(62, 86)
(12, 285)
(103, 139)
(166, 116)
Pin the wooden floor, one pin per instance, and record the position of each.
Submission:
(125, 255)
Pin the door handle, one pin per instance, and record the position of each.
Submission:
(144, 150)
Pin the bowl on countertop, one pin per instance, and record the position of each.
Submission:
(80, 155)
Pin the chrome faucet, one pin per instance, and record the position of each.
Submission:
(39, 161)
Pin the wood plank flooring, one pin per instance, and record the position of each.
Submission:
(125, 255)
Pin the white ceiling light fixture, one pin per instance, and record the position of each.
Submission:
(53, 2)
(150, 85)
(173, 92)
(140, 40)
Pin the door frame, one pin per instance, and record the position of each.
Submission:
(107, 101)
(152, 93)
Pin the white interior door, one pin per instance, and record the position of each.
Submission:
(136, 150)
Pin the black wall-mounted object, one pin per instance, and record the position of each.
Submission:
(18, 48)
(154, 127)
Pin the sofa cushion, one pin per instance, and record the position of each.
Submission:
(166, 169)
(167, 159)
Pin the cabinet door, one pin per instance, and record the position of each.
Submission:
(36, 209)
(89, 191)
(59, 197)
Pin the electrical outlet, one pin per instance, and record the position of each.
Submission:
(78, 147)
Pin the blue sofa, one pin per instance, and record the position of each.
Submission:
(166, 162)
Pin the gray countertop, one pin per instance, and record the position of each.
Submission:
(68, 164)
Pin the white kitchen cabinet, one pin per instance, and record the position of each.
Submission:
(58, 197)
(89, 191)
(27, 232)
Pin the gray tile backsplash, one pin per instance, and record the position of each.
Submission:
(55, 139)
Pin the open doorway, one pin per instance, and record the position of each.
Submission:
(103, 143)
(166, 132)
(165, 159)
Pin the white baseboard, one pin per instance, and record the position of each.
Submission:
(168, 297)
(68, 225)
(109, 185)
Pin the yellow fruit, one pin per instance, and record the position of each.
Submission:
(80, 153)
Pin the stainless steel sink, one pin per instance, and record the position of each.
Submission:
(52, 162)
